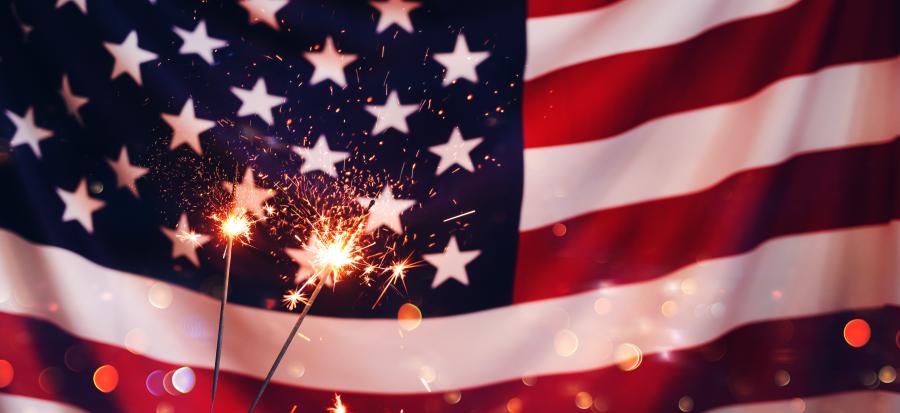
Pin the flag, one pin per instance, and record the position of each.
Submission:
(612, 205)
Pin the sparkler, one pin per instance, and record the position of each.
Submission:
(236, 224)
(335, 244)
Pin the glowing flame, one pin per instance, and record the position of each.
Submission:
(338, 405)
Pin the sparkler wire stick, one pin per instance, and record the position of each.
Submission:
(228, 249)
(287, 344)
(221, 324)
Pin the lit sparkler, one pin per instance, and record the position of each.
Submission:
(337, 250)
(236, 224)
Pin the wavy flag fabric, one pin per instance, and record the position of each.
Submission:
(613, 205)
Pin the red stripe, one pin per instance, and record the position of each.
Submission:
(738, 367)
(604, 97)
(812, 192)
(541, 8)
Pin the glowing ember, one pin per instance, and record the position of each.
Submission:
(338, 405)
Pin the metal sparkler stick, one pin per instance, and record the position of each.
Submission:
(224, 300)
(290, 338)
(287, 344)
(221, 324)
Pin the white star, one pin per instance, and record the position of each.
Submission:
(186, 127)
(264, 10)
(80, 206)
(461, 63)
(248, 195)
(126, 173)
(386, 210)
(457, 151)
(304, 258)
(129, 57)
(73, 101)
(185, 245)
(320, 157)
(451, 263)
(27, 132)
(329, 64)
(394, 12)
(199, 42)
(258, 101)
(81, 4)
(392, 114)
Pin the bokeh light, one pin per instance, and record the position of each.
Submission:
(584, 400)
(887, 374)
(428, 374)
(782, 378)
(565, 343)
(6, 373)
(409, 316)
(602, 306)
(857, 332)
(168, 385)
(183, 379)
(559, 229)
(154, 383)
(106, 378)
(869, 378)
(798, 405)
(75, 358)
(160, 295)
(688, 286)
(628, 356)
(136, 341)
(297, 370)
(686, 404)
(514, 405)
(669, 309)
(50, 380)
(452, 397)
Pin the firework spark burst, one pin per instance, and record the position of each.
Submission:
(236, 224)
(292, 298)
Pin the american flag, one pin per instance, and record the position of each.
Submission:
(616, 205)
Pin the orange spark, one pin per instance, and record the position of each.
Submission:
(397, 273)
(338, 405)
(292, 298)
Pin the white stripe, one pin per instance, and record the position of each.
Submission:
(870, 401)
(838, 107)
(20, 404)
(813, 273)
(558, 41)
